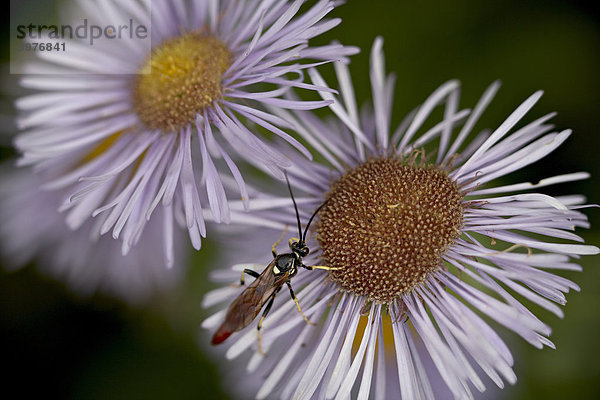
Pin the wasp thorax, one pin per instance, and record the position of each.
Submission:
(180, 78)
(386, 225)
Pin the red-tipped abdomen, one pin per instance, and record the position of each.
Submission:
(221, 335)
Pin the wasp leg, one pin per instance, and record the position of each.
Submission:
(293, 240)
(249, 272)
(289, 285)
(260, 321)
(311, 267)
(273, 251)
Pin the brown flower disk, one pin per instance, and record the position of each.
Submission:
(180, 78)
(386, 225)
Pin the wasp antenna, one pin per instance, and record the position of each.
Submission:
(311, 218)
(295, 205)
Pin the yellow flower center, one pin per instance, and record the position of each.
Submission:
(180, 78)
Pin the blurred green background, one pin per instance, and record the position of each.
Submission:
(63, 346)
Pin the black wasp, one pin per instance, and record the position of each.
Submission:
(267, 284)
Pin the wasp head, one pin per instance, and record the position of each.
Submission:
(300, 248)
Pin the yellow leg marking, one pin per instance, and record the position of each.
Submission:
(514, 246)
(325, 267)
(300, 310)
(278, 241)
(260, 348)
(292, 240)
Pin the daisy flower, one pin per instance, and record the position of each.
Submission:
(32, 230)
(425, 250)
(118, 123)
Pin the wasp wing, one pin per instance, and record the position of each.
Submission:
(248, 304)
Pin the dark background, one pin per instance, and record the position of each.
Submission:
(63, 346)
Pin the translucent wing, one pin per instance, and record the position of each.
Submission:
(248, 304)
